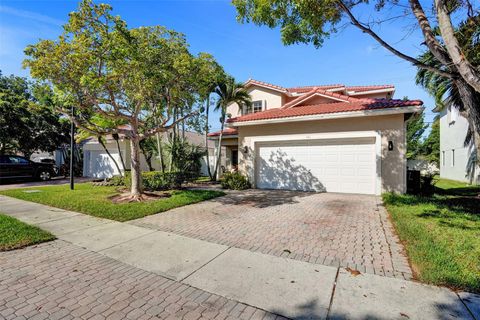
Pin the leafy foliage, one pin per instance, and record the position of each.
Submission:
(235, 181)
(415, 128)
(185, 158)
(431, 146)
(144, 76)
(27, 120)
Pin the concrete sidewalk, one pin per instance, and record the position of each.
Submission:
(286, 287)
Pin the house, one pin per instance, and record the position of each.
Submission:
(457, 161)
(98, 164)
(330, 138)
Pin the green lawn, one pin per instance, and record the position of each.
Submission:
(94, 200)
(15, 234)
(441, 233)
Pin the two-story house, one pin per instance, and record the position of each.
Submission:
(330, 138)
(456, 160)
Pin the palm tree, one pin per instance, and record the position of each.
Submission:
(228, 92)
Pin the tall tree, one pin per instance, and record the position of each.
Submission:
(27, 120)
(313, 21)
(101, 66)
(228, 92)
(447, 92)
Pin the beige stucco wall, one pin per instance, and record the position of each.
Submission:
(271, 99)
(389, 127)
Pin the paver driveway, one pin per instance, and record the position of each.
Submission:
(325, 228)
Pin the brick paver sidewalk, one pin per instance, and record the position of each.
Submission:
(57, 280)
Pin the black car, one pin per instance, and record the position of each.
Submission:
(16, 167)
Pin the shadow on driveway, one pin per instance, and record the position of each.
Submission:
(262, 198)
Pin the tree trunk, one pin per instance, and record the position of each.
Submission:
(160, 153)
(207, 109)
(100, 140)
(219, 150)
(464, 67)
(471, 104)
(136, 172)
(120, 153)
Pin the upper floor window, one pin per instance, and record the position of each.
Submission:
(256, 106)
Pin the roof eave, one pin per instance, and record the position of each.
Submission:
(335, 115)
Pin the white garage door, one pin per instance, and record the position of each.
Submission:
(102, 166)
(334, 165)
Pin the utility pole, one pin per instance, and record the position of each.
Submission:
(72, 147)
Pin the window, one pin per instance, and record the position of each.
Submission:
(443, 157)
(255, 107)
(453, 157)
(18, 160)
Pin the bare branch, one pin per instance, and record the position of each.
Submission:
(408, 58)
(164, 128)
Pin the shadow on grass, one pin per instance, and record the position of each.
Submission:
(456, 204)
(470, 191)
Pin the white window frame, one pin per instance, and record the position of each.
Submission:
(453, 158)
(254, 106)
(443, 158)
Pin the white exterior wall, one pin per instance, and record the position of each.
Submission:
(453, 129)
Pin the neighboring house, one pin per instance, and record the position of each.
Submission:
(98, 164)
(456, 159)
(330, 138)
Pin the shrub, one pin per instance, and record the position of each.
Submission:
(116, 181)
(235, 181)
(157, 180)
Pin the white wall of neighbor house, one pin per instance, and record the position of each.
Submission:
(97, 164)
(391, 165)
(454, 156)
(270, 99)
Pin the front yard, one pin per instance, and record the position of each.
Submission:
(441, 233)
(15, 234)
(93, 200)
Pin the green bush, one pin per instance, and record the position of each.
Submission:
(157, 180)
(235, 181)
(116, 181)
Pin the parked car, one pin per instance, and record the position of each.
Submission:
(16, 167)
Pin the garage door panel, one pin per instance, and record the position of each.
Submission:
(346, 165)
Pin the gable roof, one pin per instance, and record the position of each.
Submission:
(327, 108)
(318, 92)
(250, 82)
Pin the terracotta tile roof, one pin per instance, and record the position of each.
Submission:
(307, 110)
(320, 91)
(308, 88)
(303, 89)
(226, 132)
(265, 84)
(369, 88)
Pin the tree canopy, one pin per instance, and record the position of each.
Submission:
(27, 121)
(144, 76)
